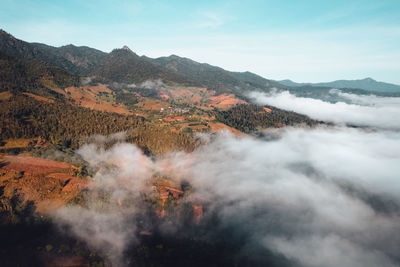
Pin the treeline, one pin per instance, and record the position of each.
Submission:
(249, 118)
(67, 126)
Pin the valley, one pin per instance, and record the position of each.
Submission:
(116, 159)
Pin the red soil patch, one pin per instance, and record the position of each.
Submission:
(152, 104)
(225, 101)
(164, 96)
(5, 95)
(98, 89)
(40, 98)
(41, 142)
(181, 93)
(52, 260)
(86, 97)
(34, 165)
(165, 189)
(196, 99)
(198, 213)
(141, 115)
(218, 126)
(49, 184)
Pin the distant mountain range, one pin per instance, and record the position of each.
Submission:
(36, 66)
(121, 66)
(67, 93)
(368, 84)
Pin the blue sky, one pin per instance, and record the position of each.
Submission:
(301, 40)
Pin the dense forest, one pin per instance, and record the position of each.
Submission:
(32, 76)
(67, 125)
(249, 118)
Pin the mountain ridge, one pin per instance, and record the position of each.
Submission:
(124, 66)
(368, 84)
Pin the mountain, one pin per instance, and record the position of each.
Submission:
(124, 66)
(22, 50)
(291, 83)
(84, 58)
(212, 77)
(121, 65)
(33, 76)
(368, 84)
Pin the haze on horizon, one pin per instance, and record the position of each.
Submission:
(305, 41)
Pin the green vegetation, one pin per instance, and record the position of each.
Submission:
(66, 126)
(249, 118)
(124, 66)
(32, 76)
(60, 123)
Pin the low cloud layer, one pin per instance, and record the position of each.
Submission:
(121, 171)
(307, 195)
(148, 84)
(365, 110)
(316, 197)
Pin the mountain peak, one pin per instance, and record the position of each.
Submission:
(369, 79)
(124, 51)
(125, 47)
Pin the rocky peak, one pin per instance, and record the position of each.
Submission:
(125, 47)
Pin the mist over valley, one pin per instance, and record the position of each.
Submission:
(126, 158)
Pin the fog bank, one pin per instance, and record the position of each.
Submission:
(363, 110)
(317, 197)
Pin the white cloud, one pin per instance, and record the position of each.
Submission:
(368, 100)
(320, 197)
(289, 193)
(375, 111)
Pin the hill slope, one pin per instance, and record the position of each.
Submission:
(212, 77)
(124, 66)
(121, 65)
(84, 58)
(22, 50)
(32, 76)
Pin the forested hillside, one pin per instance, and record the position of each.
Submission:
(32, 76)
(249, 118)
(67, 126)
